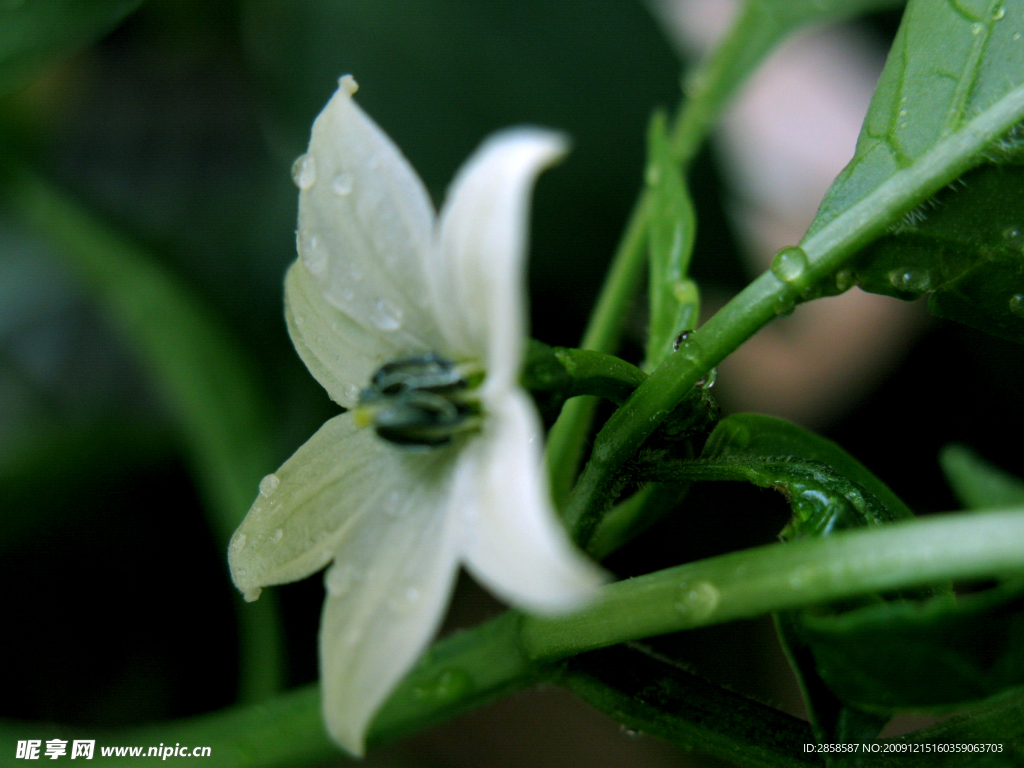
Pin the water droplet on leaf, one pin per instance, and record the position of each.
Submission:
(1017, 304)
(910, 280)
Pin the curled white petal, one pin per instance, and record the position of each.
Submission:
(386, 596)
(365, 238)
(512, 542)
(482, 257)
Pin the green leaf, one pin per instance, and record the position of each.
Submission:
(647, 692)
(949, 99)
(671, 226)
(937, 653)
(33, 33)
(999, 722)
(826, 487)
(978, 484)
(964, 246)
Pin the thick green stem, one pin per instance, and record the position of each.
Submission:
(821, 254)
(783, 576)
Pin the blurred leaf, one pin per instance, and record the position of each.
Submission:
(649, 693)
(203, 377)
(978, 484)
(35, 32)
(999, 722)
(939, 653)
(759, 27)
(671, 226)
(948, 100)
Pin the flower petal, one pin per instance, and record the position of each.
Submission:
(482, 257)
(366, 237)
(309, 506)
(386, 595)
(512, 541)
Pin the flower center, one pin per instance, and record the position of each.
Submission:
(421, 402)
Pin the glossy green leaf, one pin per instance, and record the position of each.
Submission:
(35, 32)
(949, 100)
(671, 226)
(978, 484)
(649, 693)
(826, 487)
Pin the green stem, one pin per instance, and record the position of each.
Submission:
(783, 576)
(713, 85)
(822, 253)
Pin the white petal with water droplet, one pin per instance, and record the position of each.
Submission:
(340, 475)
(392, 580)
(373, 224)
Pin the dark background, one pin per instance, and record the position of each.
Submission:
(179, 128)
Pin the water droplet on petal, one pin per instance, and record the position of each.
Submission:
(314, 256)
(340, 579)
(1017, 304)
(342, 184)
(269, 484)
(238, 542)
(698, 601)
(250, 595)
(386, 316)
(304, 171)
(277, 535)
(789, 264)
(350, 391)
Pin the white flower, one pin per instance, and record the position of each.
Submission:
(416, 323)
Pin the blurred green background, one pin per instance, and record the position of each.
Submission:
(178, 129)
